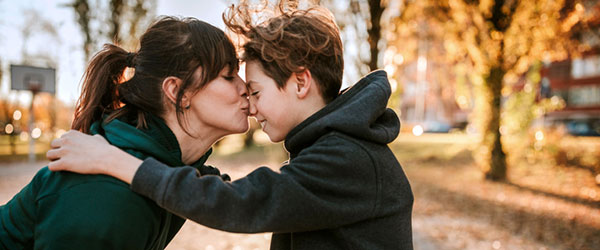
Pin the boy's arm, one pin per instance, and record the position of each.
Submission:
(85, 154)
(325, 186)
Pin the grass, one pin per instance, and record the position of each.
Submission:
(555, 206)
(22, 149)
(540, 205)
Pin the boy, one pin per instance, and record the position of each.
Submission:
(342, 187)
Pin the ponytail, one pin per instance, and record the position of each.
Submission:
(99, 93)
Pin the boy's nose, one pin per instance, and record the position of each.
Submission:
(252, 108)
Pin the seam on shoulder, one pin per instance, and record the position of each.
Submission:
(38, 199)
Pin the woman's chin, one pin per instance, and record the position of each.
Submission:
(244, 128)
(240, 130)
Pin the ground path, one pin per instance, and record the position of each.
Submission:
(14, 176)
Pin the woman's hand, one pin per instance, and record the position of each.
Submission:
(85, 154)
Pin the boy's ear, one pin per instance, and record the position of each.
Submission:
(170, 87)
(303, 81)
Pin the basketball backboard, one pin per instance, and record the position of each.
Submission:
(32, 78)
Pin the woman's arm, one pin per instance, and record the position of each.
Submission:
(86, 154)
(17, 219)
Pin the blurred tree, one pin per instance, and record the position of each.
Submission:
(42, 29)
(116, 12)
(249, 136)
(496, 42)
(367, 12)
(7, 109)
(376, 9)
(36, 25)
(140, 11)
(82, 11)
(360, 22)
(119, 14)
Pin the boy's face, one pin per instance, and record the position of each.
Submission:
(272, 107)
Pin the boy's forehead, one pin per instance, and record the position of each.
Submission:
(251, 83)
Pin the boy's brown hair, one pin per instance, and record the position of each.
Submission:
(291, 42)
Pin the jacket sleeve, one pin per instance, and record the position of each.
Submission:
(329, 184)
(17, 219)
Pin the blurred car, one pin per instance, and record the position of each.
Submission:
(436, 127)
(583, 127)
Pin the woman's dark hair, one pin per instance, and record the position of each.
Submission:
(170, 47)
(291, 41)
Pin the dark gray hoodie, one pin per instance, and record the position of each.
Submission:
(341, 189)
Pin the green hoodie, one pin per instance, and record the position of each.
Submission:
(63, 210)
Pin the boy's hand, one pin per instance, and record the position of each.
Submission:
(78, 152)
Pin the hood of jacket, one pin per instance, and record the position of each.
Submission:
(156, 140)
(360, 112)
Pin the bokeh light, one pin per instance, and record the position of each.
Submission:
(17, 115)
(36, 133)
(24, 136)
(394, 85)
(417, 130)
(9, 129)
(539, 135)
(59, 133)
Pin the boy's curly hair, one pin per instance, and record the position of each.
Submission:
(291, 41)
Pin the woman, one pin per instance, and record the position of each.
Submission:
(184, 95)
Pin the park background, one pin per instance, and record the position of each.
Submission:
(499, 103)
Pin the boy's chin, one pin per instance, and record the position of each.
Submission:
(275, 139)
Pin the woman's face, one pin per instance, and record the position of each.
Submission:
(222, 105)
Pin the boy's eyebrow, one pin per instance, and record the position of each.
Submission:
(250, 82)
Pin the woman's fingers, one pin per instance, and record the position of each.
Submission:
(56, 165)
(53, 154)
(56, 143)
(100, 139)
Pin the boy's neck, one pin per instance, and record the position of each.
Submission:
(310, 106)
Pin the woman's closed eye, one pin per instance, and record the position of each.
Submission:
(228, 78)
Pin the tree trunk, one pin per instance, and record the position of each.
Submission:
(249, 138)
(82, 9)
(492, 139)
(116, 7)
(375, 9)
(13, 145)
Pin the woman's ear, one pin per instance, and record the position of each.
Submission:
(170, 87)
(303, 81)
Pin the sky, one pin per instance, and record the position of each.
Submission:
(66, 46)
